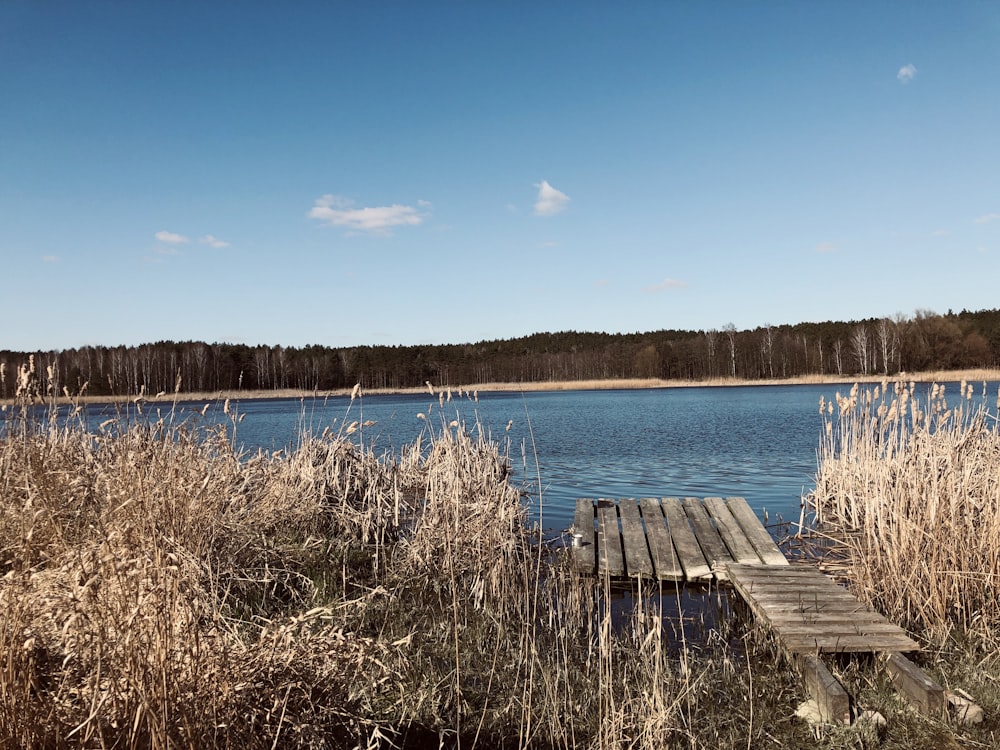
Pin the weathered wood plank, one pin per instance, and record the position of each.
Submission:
(808, 592)
(755, 532)
(918, 687)
(792, 605)
(835, 629)
(839, 607)
(637, 561)
(731, 532)
(781, 572)
(807, 644)
(840, 620)
(766, 579)
(661, 547)
(609, 540)
(833, 701)
(711, 543)
(689, 552)
(816, 602)
(583, 524)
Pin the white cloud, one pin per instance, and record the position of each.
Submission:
(987, 218)
(50, 258)
(826, 247)
(550, 201)
(340, 212)
(213, 241)
(171, 238)
(939, 233)
(665, 285)
(907, 73)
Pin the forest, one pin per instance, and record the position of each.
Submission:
(902, 343)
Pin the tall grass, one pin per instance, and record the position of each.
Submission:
(160, 589)
(909, 486)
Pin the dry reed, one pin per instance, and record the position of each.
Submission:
(909, 487)
(160, 589)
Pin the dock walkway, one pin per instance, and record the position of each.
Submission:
(696, 540)
(672, 539)
(809, 613)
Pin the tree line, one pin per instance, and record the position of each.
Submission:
(923, 341)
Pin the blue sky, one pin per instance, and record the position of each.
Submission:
(445, 172)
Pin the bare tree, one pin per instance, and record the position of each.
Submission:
(730, 330)
(838, 358)
(710, 337)
(859, 343)
(767, 350)
(888, 341)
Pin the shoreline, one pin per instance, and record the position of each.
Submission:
(937, 376)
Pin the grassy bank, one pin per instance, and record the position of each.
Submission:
(160, 590)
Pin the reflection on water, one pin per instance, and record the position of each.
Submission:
(688, 613)
(755, 441)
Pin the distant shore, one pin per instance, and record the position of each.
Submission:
(938, 376)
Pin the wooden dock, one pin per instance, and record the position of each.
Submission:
(810, 614)
(690, 539)
(670, 539)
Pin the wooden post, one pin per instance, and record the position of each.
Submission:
(916, 685)
(833, 701)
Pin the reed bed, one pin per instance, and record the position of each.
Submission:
(159, 589)
(908, 490)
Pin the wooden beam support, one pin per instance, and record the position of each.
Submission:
(832, 700)
(583, 524)
(914, 684)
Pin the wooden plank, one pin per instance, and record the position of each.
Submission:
(836, 629)
(918, 687)
(782, 575)
(791, 601)
(755, 532)
(583, 524)
(833, 701)
(840, 620)
(810, 594)
(609, 540)
(744, 579)
(822, 609)
(637, 561)
(731, 532)
(711, 543)
(689, 553)
(807, 644)
(661, 547)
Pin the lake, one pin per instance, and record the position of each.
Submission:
(758, 442)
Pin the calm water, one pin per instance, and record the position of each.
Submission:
(756, 441)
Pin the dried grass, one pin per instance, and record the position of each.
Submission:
(909, 487)
(161, 590)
